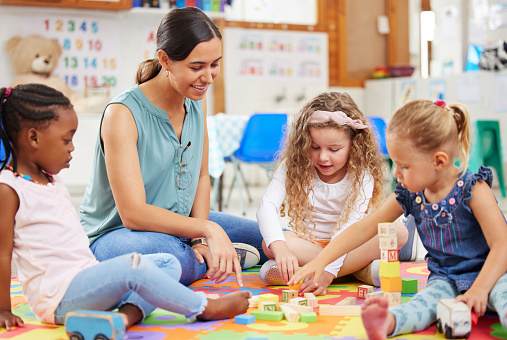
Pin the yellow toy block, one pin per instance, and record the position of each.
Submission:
(389, 269)
(268, 297)
(390, 284)
(386, 229)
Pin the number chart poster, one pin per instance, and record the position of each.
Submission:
(90, 48)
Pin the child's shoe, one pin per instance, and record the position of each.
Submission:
(369, 274)
(270, 274)
(248, 255)
(409, 251)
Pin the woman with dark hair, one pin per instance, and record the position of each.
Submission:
(149, 191)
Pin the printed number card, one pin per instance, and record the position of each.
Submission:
(90, 48)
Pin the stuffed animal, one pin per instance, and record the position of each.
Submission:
(34, 58)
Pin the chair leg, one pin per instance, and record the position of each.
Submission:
(214, 201)
(245, 183)
(236, 181)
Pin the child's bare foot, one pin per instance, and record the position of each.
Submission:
(226, 307)
(374, 313)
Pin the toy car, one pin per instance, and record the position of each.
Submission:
(454, 319)
(94, 325)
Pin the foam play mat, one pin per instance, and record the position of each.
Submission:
(166, 325)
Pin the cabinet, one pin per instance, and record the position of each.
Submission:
(78, 4)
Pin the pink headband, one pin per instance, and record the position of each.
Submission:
(337, 116)
(7, 92)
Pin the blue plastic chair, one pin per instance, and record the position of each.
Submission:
(379, 124)
(2, 150)
(262, 139)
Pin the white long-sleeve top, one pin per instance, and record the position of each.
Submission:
(329, 201)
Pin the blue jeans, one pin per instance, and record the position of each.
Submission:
(421, 311)
(145, 281)
(123, 241)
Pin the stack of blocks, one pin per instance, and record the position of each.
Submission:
(292, 308)
(390, 279)
(391, 283)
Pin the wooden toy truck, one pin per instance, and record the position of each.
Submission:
(94, 325)
(454, 319)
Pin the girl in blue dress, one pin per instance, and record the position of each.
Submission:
(456, 214)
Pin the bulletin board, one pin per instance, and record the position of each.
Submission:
(280, 55)
(90, 48)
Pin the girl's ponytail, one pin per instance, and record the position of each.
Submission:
(462, 119)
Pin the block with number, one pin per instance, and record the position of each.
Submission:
(390, 284)
(393, 298)
(312, 300)
(386, 229)
(288, 294)
(389, 255)
(363, 290)
(409, 286)
(389, 269)
(388, 242)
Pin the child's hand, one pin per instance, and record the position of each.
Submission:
(313, 268)
(475, 299)
(309, 287)
(286, 262)
(9, 320)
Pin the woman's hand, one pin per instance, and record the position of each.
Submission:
(202, 253)
(308, 285)
(224, 259)
(9, 320)
(476, 299)
(286, 261)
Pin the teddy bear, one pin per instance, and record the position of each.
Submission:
(33, 60)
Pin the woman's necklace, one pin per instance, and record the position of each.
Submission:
(28, 178)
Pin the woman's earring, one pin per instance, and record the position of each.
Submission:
(166, 73)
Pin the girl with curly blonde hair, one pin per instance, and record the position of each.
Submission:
(329, 176)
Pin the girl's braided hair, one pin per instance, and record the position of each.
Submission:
(26, 105)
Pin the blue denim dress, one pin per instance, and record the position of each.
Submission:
(457, 248)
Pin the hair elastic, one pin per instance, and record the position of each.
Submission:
(7, 92)
(337, 116)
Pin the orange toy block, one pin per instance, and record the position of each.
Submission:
(390, 284)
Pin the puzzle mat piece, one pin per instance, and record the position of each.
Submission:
(223, 291)
(34, 331)
(249, 280)
(229, 335)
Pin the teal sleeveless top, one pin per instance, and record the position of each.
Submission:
(160, 154)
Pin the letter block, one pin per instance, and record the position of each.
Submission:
(386, 229)
(388, 242)
(363, 290)
(390, 284)
(373, 294)
(299, 301)
(389, 255)
(288, 294)
(268, 305)
(389, 269)
(393, 298)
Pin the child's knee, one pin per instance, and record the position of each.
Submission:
(401, 233)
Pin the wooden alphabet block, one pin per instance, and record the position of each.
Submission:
(253, 301)
(393, 298)
(267, 315)
(299, 301)
(373, 294)
(390, 284)
(409, 286)
(389, 269)
(386, 229)
(363, 290)
(389, 255)
(288, 294)
(268, 305)
(312, 299)
(388, 242)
